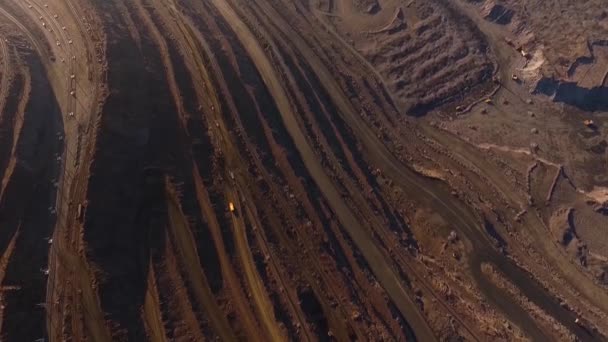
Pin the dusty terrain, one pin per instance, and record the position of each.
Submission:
(286, 170)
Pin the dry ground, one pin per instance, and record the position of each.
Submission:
(275, 170)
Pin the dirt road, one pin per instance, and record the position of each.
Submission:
(382, 270)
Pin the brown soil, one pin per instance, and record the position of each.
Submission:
(277, 170)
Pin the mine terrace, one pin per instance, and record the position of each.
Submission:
(303, 170)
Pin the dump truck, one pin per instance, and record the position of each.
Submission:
(231, 207)
(589, 123)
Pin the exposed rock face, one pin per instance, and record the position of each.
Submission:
(570, 64)
(588, 99)
(498, 13)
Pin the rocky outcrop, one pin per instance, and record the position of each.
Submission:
(498, 13)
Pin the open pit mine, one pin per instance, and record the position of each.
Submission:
(303, 170)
